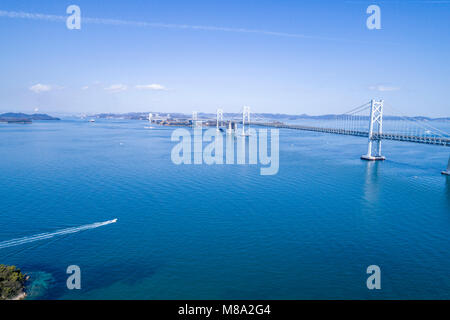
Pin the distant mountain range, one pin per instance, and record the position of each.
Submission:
(28, 118)
(24, 118)
(256, 116)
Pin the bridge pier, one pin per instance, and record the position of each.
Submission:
(447, 172)
(375, 131)
(219, 118)
(377, 155)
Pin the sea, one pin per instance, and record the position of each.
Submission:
(220, 231)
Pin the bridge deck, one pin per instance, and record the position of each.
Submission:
(384, 136)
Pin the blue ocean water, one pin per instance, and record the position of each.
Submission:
(222, 231)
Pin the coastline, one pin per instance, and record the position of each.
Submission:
(20, 296)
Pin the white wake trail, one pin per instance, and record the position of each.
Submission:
(43, 236)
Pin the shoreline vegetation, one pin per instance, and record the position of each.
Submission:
(12, 283)
(24, 118)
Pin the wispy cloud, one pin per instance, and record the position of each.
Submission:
(156, 87)
(401, 2)
(85, 88)
(116, 22)
(38, 88)
(383, 88)
(34, 16)
(116, 88)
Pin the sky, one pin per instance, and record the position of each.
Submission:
(294, 57)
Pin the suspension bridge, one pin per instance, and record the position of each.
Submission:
(363, 121)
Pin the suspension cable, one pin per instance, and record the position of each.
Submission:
(420, 124)
(362, 107)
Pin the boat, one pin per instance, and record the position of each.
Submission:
(91, 120)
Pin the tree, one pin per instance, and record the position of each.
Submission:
(12, 282)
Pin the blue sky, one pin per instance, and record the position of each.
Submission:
(315, 57)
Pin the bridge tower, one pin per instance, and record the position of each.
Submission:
(245, 115)
(375, 131)
(194, 118)
(230, 129)
(219, 118)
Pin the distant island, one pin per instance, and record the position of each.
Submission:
(24, 118)
(12, 283)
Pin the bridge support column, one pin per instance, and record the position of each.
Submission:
(245, 114)
(194, 119)
(447, 172)
(219, 118)
(375, 132)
